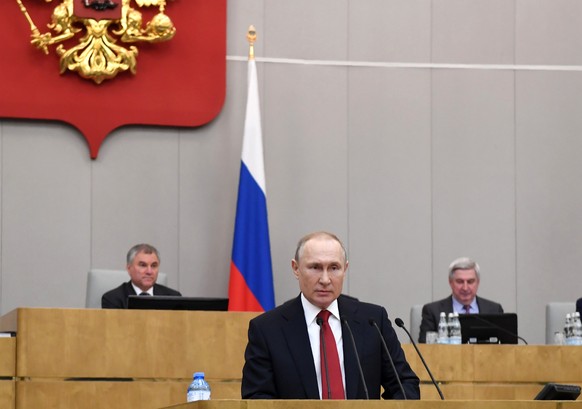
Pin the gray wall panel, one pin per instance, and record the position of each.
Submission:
(395, 31)
(135, 197)
(549, 194)
(305, 138)
(476, 32)
(474, 178)
(46, 203)
(306, 29)
(390, 187)
(549, 32)
(209, 174)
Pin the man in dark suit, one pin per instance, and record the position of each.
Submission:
(464, 277)
(143, 264)
(283, 358)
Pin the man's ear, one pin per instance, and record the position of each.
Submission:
(295, 267)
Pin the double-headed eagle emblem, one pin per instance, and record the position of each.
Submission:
(106, 28)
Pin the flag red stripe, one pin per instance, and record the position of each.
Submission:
(240, 296)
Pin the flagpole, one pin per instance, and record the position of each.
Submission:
(251, 37)
(251, 272)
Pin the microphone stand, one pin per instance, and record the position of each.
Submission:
(373, 323)
(345, 322)
(400, 323)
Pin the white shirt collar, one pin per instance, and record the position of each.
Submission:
(138, 290)
(458, 307)
(311, 310)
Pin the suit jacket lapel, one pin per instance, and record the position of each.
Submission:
(128, 289)
(348, 311)
(448, 305)
(299, 347)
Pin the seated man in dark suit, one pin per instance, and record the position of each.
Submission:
(464, 277)
(143, 264)
(285, 357)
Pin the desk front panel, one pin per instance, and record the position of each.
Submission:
(93, 343)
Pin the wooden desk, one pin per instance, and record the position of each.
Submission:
(7, 372)
(65, 358)
(485, 372)
(93, 343)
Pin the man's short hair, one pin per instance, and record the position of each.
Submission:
(141, 248)
(306, 238)
(464, 263)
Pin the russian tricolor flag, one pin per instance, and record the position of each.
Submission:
(251, 274)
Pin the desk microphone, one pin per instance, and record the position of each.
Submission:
(399, 322)
(319, 322)
(345, 322)
(477, 317)
(373, 323)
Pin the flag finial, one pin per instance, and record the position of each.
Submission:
(252, 37)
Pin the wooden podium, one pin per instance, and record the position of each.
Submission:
(375, 404)
(92, 358)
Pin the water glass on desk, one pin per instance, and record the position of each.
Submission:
(431, 337)
(559, 338)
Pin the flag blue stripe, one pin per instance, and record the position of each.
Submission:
(251, 251)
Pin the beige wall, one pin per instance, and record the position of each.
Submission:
(417, 130)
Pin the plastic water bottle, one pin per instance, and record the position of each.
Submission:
(443, 330)
(576, 329)
(198, 389)
(454, 329)
(568, 329)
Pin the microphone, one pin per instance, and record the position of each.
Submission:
(373, 323)
(345, 322)
(477, 317)
(319, 322)
(399, 322)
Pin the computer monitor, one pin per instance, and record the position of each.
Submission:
(171, 302)
(489, 328)
(556, 391)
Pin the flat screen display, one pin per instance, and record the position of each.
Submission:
(489, 328)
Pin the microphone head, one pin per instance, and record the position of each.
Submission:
(399, 322)
(371, 321)
(319, 321)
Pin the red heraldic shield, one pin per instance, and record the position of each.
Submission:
(179, 83)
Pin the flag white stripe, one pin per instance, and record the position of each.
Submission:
(252, 151)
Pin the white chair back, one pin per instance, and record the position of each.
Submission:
(555, 318)
(415, 320)
(101, 281)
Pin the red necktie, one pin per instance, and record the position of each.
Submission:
(336, 385)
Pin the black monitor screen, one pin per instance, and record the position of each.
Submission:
(489, 328)
(171, 302)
